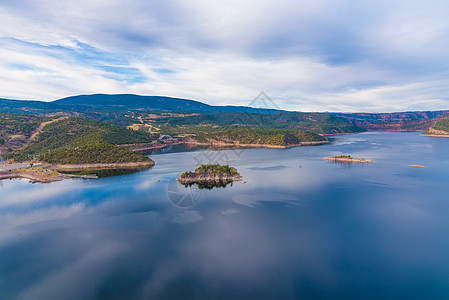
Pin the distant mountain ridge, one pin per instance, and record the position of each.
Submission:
(148, 103)
(108, 107)
(28, 106)
(124, 102)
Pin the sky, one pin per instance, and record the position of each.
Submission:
(321, 55)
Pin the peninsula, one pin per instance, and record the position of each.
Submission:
(34, 174)
(348, 159)
(99, 156)
(439, 129)
(211, 174)
(257, 138)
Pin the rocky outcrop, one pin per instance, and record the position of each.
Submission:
(436, 133)
(34, 175)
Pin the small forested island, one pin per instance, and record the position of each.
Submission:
(213, 173)
(348, 158)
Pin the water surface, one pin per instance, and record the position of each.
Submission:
(301, 227)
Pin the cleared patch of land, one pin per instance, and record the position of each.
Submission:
(42, 125)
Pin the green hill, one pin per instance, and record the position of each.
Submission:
(74, 132)
(93, 153)
(36, 136)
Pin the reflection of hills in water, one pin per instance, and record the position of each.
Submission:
(347, 164)
(174, 148)
(177, 148)
(208, 185)
(105, 172)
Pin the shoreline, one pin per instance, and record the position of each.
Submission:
(209, 179)
(238, 145)
(47, 173)
(218, 178)
(436, 135)
(33, 176)
(101, 166)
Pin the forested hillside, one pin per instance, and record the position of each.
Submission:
(23, 137)
(321, 123)
(92, 153)
(273, 137)
(73, 132)
(16, 130)
(442, 125)
(400, 121)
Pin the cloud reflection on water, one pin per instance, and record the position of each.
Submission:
(320, 231)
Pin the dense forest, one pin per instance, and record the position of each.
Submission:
(63, 133)
(210, 169)
(275, 137)
(91, 153)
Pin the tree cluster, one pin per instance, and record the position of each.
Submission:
(212, 169)
(100, 152)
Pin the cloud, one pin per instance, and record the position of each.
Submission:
(323, 55)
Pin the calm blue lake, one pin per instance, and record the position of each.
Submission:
(299, 228)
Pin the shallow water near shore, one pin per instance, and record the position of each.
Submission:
(297, 226)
